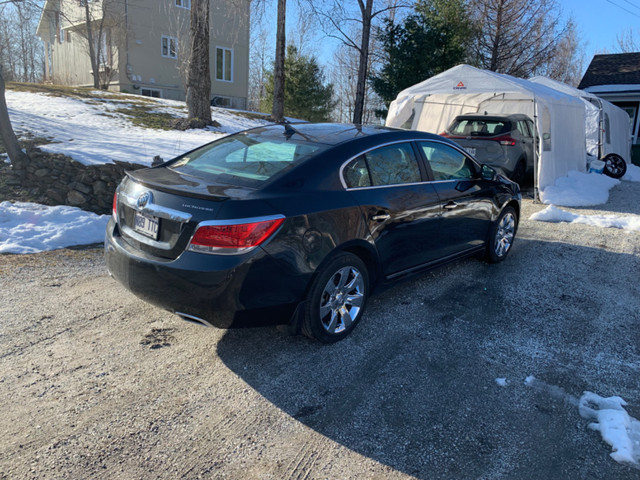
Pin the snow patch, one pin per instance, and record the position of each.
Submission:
(579, 190)
(617, 428)
(31, 228)
(554, 214)
(502, 382)
(633, 173)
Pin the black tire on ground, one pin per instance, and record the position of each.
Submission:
(520, 172)
(614, 165)
(336, 299)
(501, 236)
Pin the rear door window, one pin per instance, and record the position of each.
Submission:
(390, 165)
(447, 163)
(523, 128)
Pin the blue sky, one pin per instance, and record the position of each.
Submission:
(600, 21)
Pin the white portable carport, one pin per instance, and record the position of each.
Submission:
(431, 106)
(607, 127)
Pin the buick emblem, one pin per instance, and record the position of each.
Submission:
(144, 199)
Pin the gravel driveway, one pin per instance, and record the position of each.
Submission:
(97, 384)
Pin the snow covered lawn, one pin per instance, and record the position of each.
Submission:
(95, 131)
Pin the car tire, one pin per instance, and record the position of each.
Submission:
(336, 299)
(501, 237)
(520, 172)
(614, 166)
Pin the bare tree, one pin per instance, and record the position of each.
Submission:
(9, 139)
(20, 51)
(198, 72)
(627, 42)
(517, 37)
(98, 23)
(337, 20)
(260, 62)
(343, 72)
(567, 64)
(277, 113)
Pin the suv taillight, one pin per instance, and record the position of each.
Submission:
(506, 140)
(114, 207)
(233, 237)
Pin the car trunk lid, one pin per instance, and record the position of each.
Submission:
(158, 209)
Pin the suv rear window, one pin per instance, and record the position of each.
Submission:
(244, 159)
(479, 127)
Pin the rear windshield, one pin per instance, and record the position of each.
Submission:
(245, 159)
(480, 127)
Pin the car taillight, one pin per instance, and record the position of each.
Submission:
(233, 237)
(114, 208)
(506, 140)
(443, 134)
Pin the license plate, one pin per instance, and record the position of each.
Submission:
(146, 225)
(472, 151)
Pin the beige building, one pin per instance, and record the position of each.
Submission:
(142, 46)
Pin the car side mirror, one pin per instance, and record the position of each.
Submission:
(488, 173)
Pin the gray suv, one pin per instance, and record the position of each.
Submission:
(502, 141)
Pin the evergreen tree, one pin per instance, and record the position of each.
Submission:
(305, 95)
(436, 37)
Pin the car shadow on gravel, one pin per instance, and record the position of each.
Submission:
(414, 387)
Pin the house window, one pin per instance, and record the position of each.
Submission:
(224, 64)
(183, 4)
(151, 92)
(169, 47)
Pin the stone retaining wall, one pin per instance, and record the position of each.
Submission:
(60, 180)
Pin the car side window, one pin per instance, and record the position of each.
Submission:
(531, 128)
(356, 174)
(391, 165)
(447, 163)
(523, 128)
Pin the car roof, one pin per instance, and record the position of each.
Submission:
(333, 133)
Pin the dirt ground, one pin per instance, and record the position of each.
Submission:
(95, 383)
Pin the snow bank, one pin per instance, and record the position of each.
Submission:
(633, 173)
(32, 228)
(554, 214)
(579, 190)
(617, 428)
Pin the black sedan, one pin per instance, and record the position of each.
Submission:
(299, 223)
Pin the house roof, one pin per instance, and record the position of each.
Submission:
(615, 69)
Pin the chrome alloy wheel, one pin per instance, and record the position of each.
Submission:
(342, 299)
(504, 234)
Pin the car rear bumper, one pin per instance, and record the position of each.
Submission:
(225, 291)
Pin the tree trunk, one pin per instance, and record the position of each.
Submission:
(198, 71)
(361, 87)
(277, 112)
(495, 50)
(9, 139)
(95, 66)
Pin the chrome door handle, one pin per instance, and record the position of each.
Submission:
(382, 216)
(450, 206)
